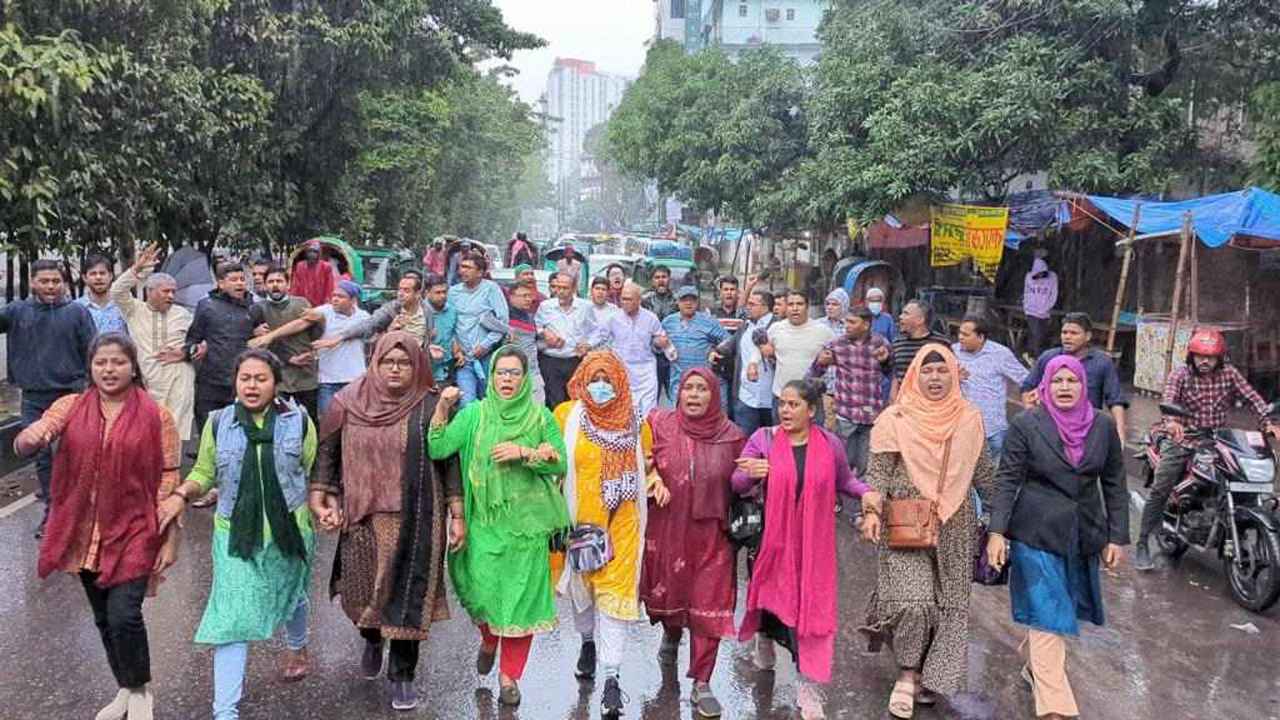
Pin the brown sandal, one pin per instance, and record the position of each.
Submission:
(902, 701)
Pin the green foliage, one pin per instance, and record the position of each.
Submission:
(1266, 133)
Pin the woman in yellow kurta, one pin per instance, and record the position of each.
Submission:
(606, 444)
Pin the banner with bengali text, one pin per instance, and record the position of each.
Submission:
(959, 232)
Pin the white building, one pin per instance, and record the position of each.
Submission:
(737, 25)
(578, 98)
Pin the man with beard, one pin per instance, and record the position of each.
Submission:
(301, 379)
(1207, 386)
(662, 302)
(314, 278)
(48, 350)
(97, 276)
(159, 328)
(259, 266)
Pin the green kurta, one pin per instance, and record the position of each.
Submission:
(251, 598)
(503, 574)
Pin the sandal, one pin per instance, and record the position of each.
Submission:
(902, 701)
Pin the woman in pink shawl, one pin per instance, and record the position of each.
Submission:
(689, 578)
(791, 598)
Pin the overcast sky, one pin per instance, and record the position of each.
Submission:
(612, 33)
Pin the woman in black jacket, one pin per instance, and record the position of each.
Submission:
(1060, 509)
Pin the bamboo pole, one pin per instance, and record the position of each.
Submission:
(1183, 253)
(1124, 277)
(1195, 283)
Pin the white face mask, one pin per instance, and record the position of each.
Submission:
(601, 392)
(875, 307)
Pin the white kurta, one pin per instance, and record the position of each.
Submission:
(172, 386)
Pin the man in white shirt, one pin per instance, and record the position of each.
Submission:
(794, 344)
(561, 322)
(340, 360)
(634, 334)
(753, 402)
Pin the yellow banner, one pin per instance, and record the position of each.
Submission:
(958, 232)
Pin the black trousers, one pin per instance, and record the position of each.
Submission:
(403, 654)
(117, 612)
(209, 398)
(309, 400)
(1037, 334)
(555, 377)
(1173, 465)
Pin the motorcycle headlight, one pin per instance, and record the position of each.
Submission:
(1257, 470)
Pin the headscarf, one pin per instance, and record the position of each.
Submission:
(709, 458)
(918, 429)
(350, 288)
(613, 427)
(370, 402)
(518, 420)
(1073, 423)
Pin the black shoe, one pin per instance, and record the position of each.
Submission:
(509, 696)
(586, 661)
(611, 700)
(1142, 558)
(484, 660)
(371, 661)
(403, 696)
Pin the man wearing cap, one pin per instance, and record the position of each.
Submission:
(694, 335)
(635, 334)
(523, 273)
(341, 361)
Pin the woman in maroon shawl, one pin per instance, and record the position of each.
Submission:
(117, 461)
(689, 565)
(792, 596)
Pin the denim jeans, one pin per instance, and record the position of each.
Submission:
(34, 404)
(471, 383)
(995, 446)
(325, 395)
(751, 419)
(230, 660)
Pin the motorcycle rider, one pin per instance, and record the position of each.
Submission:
(1205, 388)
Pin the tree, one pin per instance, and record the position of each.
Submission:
(612, 200)
(1266, 114)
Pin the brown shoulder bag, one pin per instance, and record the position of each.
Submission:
(914, 524)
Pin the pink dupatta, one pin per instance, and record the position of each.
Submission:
(795, 573)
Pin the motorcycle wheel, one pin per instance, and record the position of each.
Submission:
(1254, 574)
(1170, 545)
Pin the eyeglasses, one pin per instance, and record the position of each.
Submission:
(389, 363)
(509, 372)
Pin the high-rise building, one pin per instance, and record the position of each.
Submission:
(737, 25)
(578, 98)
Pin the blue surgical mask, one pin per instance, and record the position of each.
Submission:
(601, 392)
(875, 307)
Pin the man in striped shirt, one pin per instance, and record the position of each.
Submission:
(913, 334)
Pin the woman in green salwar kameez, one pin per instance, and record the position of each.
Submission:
(512, 457)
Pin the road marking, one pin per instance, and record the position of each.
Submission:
(16, 505)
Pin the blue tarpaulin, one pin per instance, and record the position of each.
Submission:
(1216, 219)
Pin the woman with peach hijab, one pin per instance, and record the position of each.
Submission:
(929, 445)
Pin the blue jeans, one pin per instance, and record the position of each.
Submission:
(751, 419)
(471, 382)
(230, 660)
(995, 446)
(325, 395)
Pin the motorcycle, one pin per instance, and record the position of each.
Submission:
(1226, 504)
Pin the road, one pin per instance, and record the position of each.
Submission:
(1167, 652)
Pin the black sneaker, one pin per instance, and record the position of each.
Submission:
(611, 700)
(371, 660)
(1142, 558)
(586, 661)
(403, 696)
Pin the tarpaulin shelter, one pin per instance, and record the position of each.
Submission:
(1248, 218)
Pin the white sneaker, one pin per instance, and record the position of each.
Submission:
(809, 699)
(141, 705)
(116, 709)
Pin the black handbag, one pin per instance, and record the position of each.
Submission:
(746, 516)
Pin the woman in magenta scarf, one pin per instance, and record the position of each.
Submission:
(689, 579)
(791, 598)
(1060, 509)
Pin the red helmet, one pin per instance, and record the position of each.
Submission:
(1207, 342)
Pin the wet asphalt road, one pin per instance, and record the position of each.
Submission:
(1167, 653)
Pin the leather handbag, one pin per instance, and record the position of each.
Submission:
(913, 524)
(746, 514)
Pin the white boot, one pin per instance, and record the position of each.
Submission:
(116, 709)
(141, 704)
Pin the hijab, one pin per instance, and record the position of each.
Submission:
(368, 399)
(612, 427)
(713, 426)
(1075, 422)
(617, 414)
(919, 429)
(842, 297)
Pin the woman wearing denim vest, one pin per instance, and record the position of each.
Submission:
(258, 453)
